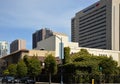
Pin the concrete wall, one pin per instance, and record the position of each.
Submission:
(42, 53)
(47, 44)
(116, 24)
(53, 44)
(17, 55)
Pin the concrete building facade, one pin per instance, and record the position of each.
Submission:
(14, 57)
(3, 48)
(53, 44)
(18, 44)
(98, 26)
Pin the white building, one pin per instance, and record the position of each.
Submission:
(3, 48)
(52, 44)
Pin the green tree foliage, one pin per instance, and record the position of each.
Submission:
(88, 64)
(50, 66)
(33, 64)
(67, 58)
(108, 65)
(21, 69)
(26, 60)
(108, 68)
(12, 69)
(34, 67)
(83, 54)
(6, 72)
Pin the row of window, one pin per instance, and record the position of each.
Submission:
(92, 18)
(92, 32)
(96, 30)
(94, 41)
(94, 14)
(98, 19)
(86, 30)
(92, 23)
(95, 11)
(100, 46)
(82, 39)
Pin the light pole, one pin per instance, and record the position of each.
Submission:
(61, 49)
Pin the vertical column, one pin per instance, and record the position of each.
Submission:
(119, 26)
(113, 27)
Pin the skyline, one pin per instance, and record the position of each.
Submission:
(20, 19)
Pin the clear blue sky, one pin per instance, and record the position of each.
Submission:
(20, 18)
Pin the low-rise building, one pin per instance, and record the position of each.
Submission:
(18, 55)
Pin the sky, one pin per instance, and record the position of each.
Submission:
(20, 18)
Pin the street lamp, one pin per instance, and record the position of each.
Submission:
(61, 49)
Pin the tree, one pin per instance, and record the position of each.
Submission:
(26, 60)
(12, 68)
(34, 67)
(6, 72)
(109, 68)
(84, 62)
(108, 65)
(50, 66)
(67, 58)
(21, 69)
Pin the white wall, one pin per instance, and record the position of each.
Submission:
(115, 25)
(58, 41)
(53, 44)
(65, 42)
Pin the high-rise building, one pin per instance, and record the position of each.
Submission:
(40, 35)
(3, 48)
(18, 44)
(98, 26)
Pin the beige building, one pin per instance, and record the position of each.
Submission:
(17, 55)
(98, 26)
(18, 44)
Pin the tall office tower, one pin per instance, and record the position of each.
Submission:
(3, 48)
(18, 44)
(40, 35)
(98, 26)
